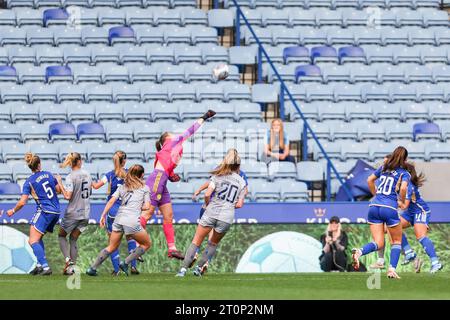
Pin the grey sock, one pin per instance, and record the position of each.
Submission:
(139, 251)
(102, 256)
(208, 254)
(64, 246)
(190, 255)
(73, 249)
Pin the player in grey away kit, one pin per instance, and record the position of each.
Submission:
(135, 197)
(77, 190)
(225, 193)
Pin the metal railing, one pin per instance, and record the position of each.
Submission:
(284, 89)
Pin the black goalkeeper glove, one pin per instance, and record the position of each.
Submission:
(208, 114)
(174, 178)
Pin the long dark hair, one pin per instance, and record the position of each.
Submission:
(160, 142)
(33, 161)
(416, 179)
(396, 159)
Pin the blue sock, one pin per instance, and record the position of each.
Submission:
(41, 242)
(115, 260)
(428, 246)
(131, 246)
(39, 252)
(405, 245)
(396, 250)
(368, 248)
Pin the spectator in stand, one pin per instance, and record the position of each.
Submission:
(276, 147)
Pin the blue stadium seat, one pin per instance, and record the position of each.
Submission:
(55, 16)
(9, 191)
(296, 54)
(62, 131)
(324, 54)
(58, 73)
(8, 73)
(426, 130)
(308, 73)
(121, 35)
(90, 131)
(351, 54)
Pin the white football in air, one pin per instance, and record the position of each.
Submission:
(221, 71)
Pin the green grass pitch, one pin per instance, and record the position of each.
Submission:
(165, 286)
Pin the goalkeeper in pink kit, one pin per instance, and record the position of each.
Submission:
(169, 152)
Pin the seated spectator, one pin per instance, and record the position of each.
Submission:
(276, 147)
(334, 243)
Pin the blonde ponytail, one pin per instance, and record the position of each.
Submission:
(230, 163)
(33, 161)
(133, 179)
(119, 162)
(71, 160)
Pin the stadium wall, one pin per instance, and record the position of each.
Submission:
(233, 246)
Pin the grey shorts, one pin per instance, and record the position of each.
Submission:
(126, 229)
(68, 225)
(217, 225)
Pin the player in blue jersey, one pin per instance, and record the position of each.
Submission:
(393, 179)
(114, 179)
(43, 187)
(417, 214)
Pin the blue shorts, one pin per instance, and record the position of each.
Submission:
(44, 222)
(111, 216)
(380, 215)
(418, 217)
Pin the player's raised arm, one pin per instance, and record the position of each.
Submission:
(200, 190)
(192, 129)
